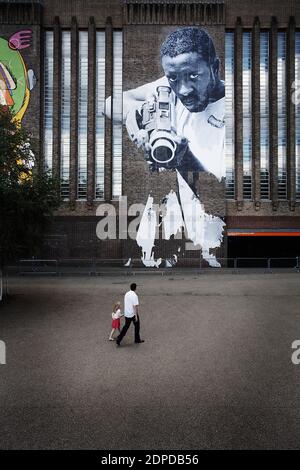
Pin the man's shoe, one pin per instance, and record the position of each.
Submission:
(141, 341)
(117, 343)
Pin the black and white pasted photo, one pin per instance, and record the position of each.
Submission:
(178, 123)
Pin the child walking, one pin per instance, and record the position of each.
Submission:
(116, 315)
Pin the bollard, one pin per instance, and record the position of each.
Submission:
(235, 265)
(2, 353)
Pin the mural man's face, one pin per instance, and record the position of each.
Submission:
(191, 78)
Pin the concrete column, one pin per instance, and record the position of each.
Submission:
(91, 112)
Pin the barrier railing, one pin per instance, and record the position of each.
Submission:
(98, 266)
(1, 285)
(76, 266)
(251, 262)
(38, 266)
(284, 263)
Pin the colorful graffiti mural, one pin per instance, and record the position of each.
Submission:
(16, 81)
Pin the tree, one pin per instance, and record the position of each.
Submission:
(28, 195)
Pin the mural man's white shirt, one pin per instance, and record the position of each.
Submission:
(206, 141)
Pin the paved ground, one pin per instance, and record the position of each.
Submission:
(215, 370)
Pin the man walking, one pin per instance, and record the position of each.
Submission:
(131, 314)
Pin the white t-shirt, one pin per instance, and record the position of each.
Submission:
(116, 315)
(205, 132)
(130, 301)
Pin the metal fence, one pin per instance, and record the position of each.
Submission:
(97, 266)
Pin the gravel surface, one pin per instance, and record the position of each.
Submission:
(215, 370)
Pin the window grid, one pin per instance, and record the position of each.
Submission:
(281, 115)
(82, 115)
(247, 117)
(117, 114)
(264, 117)
(65, 115)
(297, 110)
(100, 119)
(229, 110)
(48, 101)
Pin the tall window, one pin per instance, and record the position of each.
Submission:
(82, 115)
(297, 103)
(264, 116)
(100, 121)
(65, 114)
(247, 117)
(48, 100)
(117, 114)
(281, 112)
(229, 108)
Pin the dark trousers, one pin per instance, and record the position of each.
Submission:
(137, 338)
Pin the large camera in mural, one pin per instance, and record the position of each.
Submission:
(158, 119)
(153, 126)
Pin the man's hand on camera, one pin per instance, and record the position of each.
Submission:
(134, 122)
(134, 126)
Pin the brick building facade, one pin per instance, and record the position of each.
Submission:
(85, 51)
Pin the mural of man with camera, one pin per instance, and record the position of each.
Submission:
(179, 118)
(178, 121)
